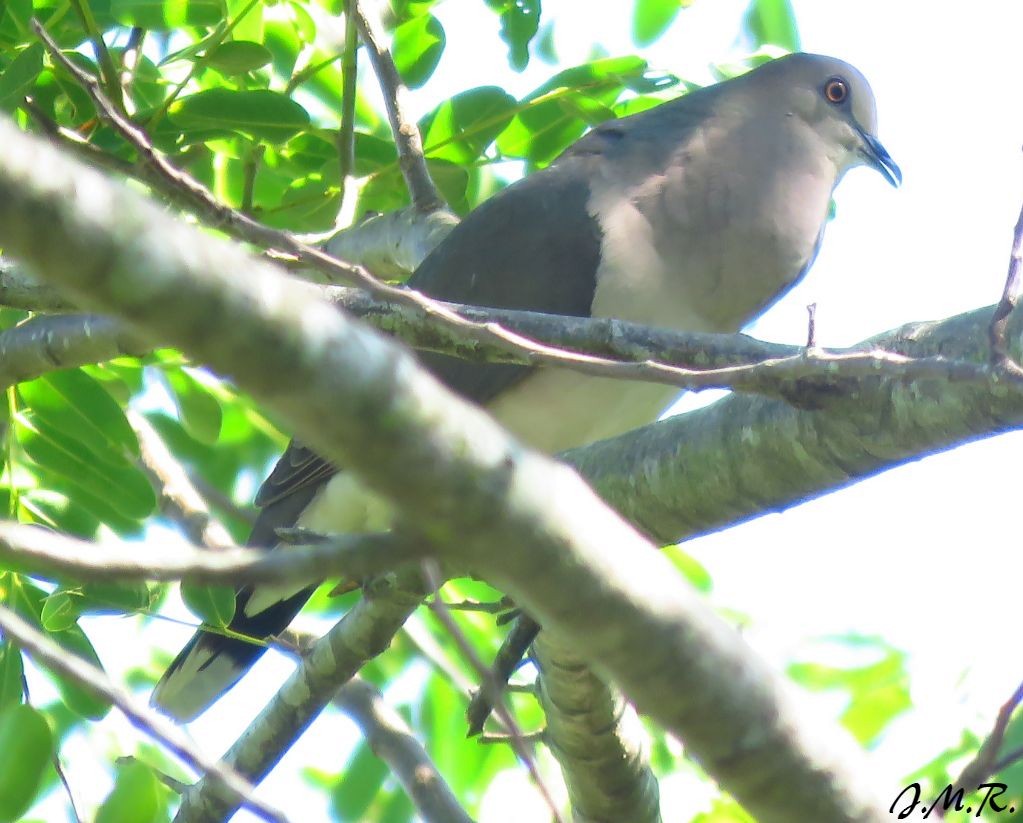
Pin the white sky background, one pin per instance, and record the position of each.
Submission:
(885, 556)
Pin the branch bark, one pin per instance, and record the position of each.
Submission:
(392, 741)
(597, 739)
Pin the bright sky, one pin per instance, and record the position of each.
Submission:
(882, 557)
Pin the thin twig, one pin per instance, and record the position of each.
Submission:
(131, 58)
(985, 762)
(62, 776)
(108, 71)
(349, 88)
(179, 499)
(51, 656)
(407, 139)
(75, 143)
(434, 654)
(49, 554)
(998, 331)
(507, 660)
(488, 685)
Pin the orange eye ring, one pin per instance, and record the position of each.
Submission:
(836, 90)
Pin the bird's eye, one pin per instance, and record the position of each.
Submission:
(836, 90)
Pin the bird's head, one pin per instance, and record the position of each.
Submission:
(836, 102)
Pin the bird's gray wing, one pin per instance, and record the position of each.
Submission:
(533, 246)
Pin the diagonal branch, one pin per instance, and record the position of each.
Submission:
(51, 656)
(178, 498)
(393, 741)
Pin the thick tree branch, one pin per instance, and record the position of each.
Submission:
(51, 656)
(597, 738)
(42, 344)
(747, 456)
(21, 290)
(361, 401)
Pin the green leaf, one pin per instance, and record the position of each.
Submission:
(199, 410)
(772, 22)
(417, 48)
(520, 20)
(108, 476)
(14, 21)
(363, 779)
(283, 43)
(460, 129)
(651, 18)
(212, 604)
(165, 15)
(20, 75)
(75, 402)
(80, 699)
(12, 672)
(695, 572)
(60, 611)
(26, 747)
(309, 206)
(616, 71)
(137, 797)
(239, 57)
(114, 598)
(559, 110)
(261, 113)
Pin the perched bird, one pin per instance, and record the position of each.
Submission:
(695, 215)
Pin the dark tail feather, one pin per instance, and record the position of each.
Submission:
(211, 663)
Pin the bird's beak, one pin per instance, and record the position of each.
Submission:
(877, 157)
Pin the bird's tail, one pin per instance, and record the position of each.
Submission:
(211, 663)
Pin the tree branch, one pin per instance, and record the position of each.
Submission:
(179, 500)
(747, 456)
(51, 656)
(425, 197)
(393, 741)
(42, 344)
(597, 739)
(45, 553)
